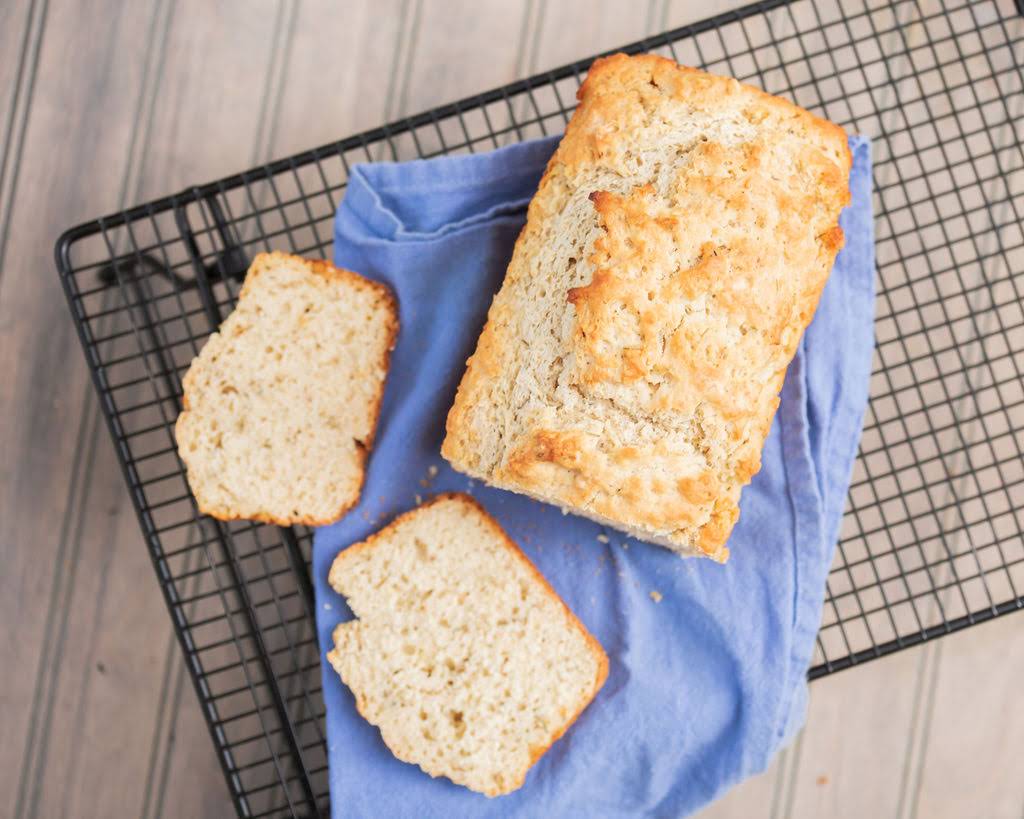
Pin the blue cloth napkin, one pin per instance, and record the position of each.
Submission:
(705, 685)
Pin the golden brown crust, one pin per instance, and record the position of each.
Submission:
(593, 645)
(702, 273)
(385, 299)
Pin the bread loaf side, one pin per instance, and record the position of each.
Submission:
(674, 253)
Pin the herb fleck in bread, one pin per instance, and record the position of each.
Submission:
(462, 654)
(674, 253)
(281, 405)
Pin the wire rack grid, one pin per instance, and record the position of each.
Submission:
(932, 536)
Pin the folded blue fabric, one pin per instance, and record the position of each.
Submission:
(708, 683)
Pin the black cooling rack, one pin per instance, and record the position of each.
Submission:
(932, 537)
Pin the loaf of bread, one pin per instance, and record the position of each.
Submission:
(464, 657)
(674, 253)
(280, 406)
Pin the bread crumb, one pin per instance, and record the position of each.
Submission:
(656, 596)
(280, 342)
(431, 471)
(602, 538)
(465, 728)
(419, 499)
(625, 544)
(822, 779)
(327, 607)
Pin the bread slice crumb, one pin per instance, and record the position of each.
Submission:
(656, 596)
(281, 404)
(462, 655)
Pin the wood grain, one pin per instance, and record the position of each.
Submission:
(15, 59)
(21, 27)
(108, 103)
(972, 749)
(457, 50)
(572, 29)
(340, 72)
(102, 51)
(165, 158)
(189, 111)
(858, 724)
(100, 663)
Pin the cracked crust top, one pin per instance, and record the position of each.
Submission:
(674, 253)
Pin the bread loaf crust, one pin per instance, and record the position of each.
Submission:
(674, 253)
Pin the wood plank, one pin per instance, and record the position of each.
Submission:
(198, 133)
(108, 618)
(339, 71)
(87, 53)
(681, 12)
(174, 791)
(203, 128)
(917, 731)
(108, 703)
(971, 763)
(21, 27)
(854, 742)
(574, 29)
(457, 49)
(15, 42)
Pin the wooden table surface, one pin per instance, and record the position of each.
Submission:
(104, 104)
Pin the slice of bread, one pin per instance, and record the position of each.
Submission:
(281, 405)
(463, 655)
